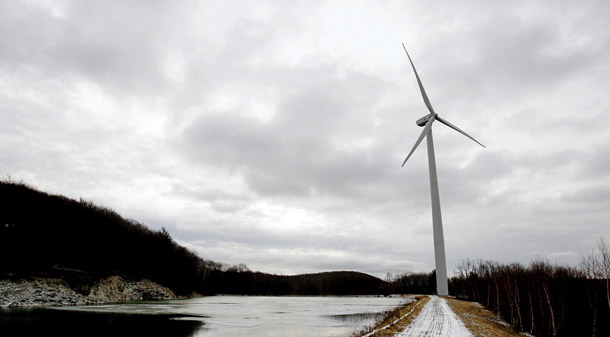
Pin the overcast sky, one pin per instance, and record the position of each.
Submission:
(271, 133)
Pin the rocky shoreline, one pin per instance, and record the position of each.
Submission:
(37, 292)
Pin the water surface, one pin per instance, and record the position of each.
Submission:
(215, 316)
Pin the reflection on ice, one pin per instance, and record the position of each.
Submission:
(364, 318)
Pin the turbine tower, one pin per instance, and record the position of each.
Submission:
(437, 222)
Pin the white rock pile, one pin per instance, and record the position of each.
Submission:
(55, 292)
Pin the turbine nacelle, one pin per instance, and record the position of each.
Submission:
(422, 121)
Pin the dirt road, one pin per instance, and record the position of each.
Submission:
(436, 319)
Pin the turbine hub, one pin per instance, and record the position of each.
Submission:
(422, 121)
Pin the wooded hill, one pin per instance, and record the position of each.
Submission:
(54, 236)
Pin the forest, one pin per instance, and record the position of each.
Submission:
(542, 299)
(44, 235)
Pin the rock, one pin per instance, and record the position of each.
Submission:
(48, 291)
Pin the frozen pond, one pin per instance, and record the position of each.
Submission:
(215, 316)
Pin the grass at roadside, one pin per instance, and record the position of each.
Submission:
(480, 321)
(387, 327)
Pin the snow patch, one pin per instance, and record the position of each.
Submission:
(436, 319)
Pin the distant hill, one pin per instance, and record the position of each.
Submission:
(54, 236)
(326, 283)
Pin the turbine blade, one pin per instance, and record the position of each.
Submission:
(423, 134)
(421, 86)
(457, 129)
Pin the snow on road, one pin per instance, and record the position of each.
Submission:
(436, 319)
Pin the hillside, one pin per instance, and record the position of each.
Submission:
(51, 236)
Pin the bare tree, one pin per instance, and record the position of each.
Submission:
(589, 268)
(605, 265)
(532, 318)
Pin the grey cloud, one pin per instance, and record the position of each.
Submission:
(299, 151)
(595, 196)
(120, 45)
(275, 160)
(596, 163)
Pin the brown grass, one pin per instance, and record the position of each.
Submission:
(393, 315)
(480, 321)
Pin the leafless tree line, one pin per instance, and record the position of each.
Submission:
(543, 299)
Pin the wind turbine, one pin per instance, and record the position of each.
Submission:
(437, 222)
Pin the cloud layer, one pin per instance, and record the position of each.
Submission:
(272, 134)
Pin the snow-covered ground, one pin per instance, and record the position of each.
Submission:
(436, 319)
